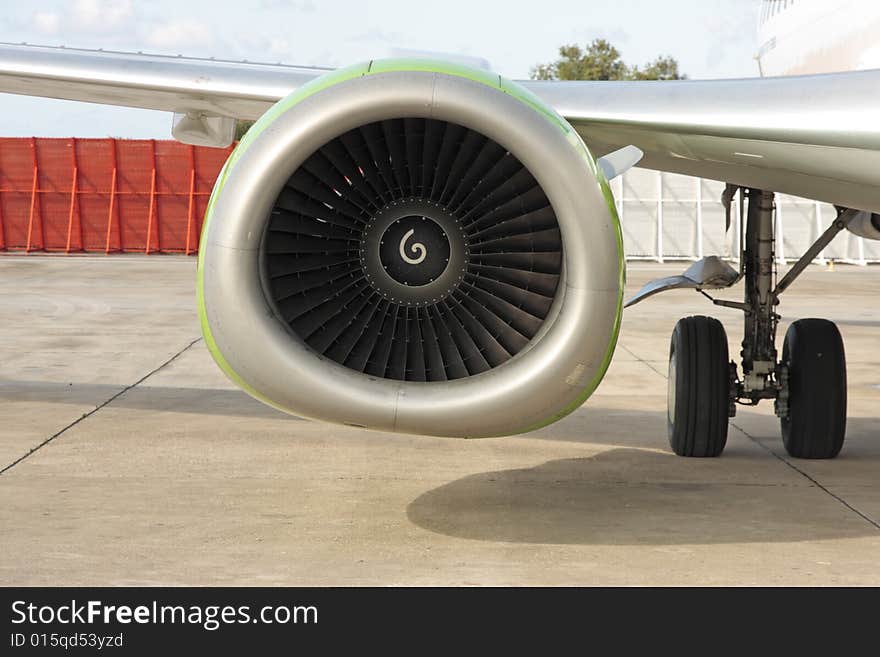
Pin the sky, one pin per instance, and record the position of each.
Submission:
(710, 39)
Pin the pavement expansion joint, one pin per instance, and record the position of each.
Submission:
(778, 456)
(98, 407)
(641, 360)
(811, 479)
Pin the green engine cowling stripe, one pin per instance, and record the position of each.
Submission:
(309, 89)
(432, 66)
(612, 343)
(213, 349)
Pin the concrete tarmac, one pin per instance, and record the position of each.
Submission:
(128, 458)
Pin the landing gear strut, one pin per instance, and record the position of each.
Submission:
(808, 384)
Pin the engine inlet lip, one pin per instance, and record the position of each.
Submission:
(414, 295)
(257, 348)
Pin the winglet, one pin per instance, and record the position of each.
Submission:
(620, 161)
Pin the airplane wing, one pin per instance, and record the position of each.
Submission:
(443, 259)
(241, 90)
(812, 136)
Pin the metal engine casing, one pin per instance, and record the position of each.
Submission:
(561, 365)
(865, 224)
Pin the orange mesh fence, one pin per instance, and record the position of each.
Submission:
(104, 195)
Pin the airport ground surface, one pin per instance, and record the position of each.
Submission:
(176, 477)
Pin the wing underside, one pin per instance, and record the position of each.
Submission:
(811, 136)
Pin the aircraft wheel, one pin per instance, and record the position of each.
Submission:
(816, 421)
(698, 399)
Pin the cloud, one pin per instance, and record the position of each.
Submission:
(279, 46)
(129, 25)
(305, 6)
(181, 33)
(733, 31)
(377, 34)
(614, 34)
(46, 22)
(101, 16)
(87, 17)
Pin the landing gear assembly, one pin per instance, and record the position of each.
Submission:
(808, 381)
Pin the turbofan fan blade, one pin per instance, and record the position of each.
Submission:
(317, 263)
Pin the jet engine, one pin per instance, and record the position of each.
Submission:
(865, 224)
(416, 247)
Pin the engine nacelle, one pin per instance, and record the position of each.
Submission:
(865, 224)
(413, 246)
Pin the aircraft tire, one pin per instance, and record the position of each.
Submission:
(698, 399)
(816, 422)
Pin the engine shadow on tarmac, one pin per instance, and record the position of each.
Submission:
(203, 401)
(627, 496)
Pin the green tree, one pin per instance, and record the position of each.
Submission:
(602, 61)
(662, 68)
(242, 127)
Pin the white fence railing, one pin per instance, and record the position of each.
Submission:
(666, 216)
